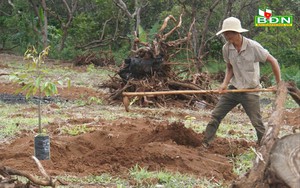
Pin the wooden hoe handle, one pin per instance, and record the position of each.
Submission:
(126, 95)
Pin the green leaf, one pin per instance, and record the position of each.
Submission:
(29, 92)
(38, 82)
(47, 91)
(69, 82)
(51, 88)
(60, 82)
(41, 13)
(19, 90)
(34, 90)
(142, 34)
(26, 87)
(34, 77)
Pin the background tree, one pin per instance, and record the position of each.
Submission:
(73, 27)
(41, 28)
(64, 15)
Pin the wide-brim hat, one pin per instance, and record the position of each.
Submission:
(232, 24)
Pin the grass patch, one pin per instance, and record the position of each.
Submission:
(103, 180)
(144, 178)
(9, 129)
(237, 131)
(88, 101)
(192, 123)
(140, 177)
(290, 103)
(11, 121)
(98, 75)
(243, 162)
(77, 130)
(17, 117)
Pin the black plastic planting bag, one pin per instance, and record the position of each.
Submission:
(42, 147)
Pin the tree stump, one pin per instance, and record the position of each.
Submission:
(285, 161)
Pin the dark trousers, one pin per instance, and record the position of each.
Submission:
(227, 102)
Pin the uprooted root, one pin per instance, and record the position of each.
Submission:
(155, 83)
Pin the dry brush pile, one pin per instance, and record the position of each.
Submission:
(149, 69)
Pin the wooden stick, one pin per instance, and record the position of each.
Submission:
(174, 92)
(126, 95)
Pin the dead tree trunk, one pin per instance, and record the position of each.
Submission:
(285, 162)
(256, 176)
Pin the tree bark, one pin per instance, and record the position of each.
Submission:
(135, 16)
(42, 25)
(285, 162)
(45, 27)
(255, 177)
(65, 26)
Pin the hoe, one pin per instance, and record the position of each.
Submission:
(127, 95)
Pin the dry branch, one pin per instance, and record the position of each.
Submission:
(99, 42)
(166, 20)
(294, 92)
(165, 36)
(184, 85)
(3, 74)
(7, 172)
(148, 69)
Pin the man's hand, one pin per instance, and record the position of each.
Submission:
(273, 87)
(222, 87)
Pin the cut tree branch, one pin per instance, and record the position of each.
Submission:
(47, 181)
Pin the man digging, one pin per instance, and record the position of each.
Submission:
(242, 57)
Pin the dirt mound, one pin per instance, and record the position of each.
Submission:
(117, 147)
(175, 132)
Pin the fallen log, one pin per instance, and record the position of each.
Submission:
(285, 162)
(256, 177)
